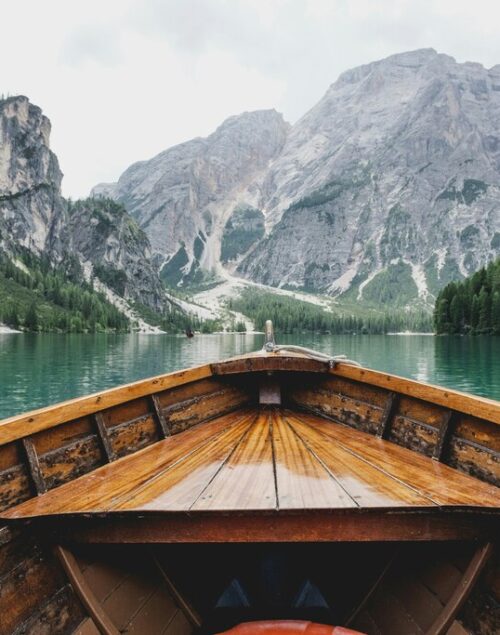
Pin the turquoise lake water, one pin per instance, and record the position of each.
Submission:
(41, 369)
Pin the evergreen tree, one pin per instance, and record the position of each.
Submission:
(471, 306)
(31, 319)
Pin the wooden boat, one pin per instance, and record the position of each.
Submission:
(273, 486)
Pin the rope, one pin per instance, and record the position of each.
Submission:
(321, 357)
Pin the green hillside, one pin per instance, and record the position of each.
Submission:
(294, 316)
(35, 296)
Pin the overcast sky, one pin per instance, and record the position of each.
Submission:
(122, 80)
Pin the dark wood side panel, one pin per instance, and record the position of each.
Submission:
(31, 583)
(15, 485)
(60, 615)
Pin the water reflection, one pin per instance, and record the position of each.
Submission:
(36, 370)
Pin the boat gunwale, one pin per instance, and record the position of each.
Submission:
(29, 423)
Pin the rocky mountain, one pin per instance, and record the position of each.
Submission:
(31, 206)
(183, 197)
(390, 186)
(34, 216)
(383, 192)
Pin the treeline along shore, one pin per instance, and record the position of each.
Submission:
(472, 306)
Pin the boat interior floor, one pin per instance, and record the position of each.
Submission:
(393, 588)
(265, 459)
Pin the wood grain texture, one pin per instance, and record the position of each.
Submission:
(342, 525)
(109, 485)
(85, 593)
(460, 594)
(246, 480)
(265, 460)
(303, 481)
(180, 486)
(34, 465)
(365, 484)
(444, 485)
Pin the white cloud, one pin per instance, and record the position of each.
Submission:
(123, 79)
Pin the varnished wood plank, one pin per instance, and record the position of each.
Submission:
(109, 484)
(40, 574)
(457, 629)
(444, 434)
(155, 615)
(442, 484)
(452, 399)
(178, 488)
(123, 604)
(59, 615)
(389, 410)
(271, 362)
(377, 582)
(246, 480)
(34, 466)
(103, 577)
(391, 616)
(302, 481)
(87, 627)
(441, 577)
(178, 626)
(186, 607)
(15, 427)
(462, 591)
(160, 417)
(84, 592)
(419, 602)
(367, 485)
(103, 434)
(351, 525)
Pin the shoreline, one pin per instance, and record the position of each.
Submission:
(6, 330)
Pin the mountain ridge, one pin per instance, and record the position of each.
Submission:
(385, 190)
(34, 217)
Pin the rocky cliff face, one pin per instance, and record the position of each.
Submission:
(31, 207)
(387, 189)
(390, 186)
(104, 234)
(33, 214)
(183, 197)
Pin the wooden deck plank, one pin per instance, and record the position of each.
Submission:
(247, 479)
(98, 490)
(302, 481)
(366, 484)
(178, 488)
(445, 485)
(283, 460)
